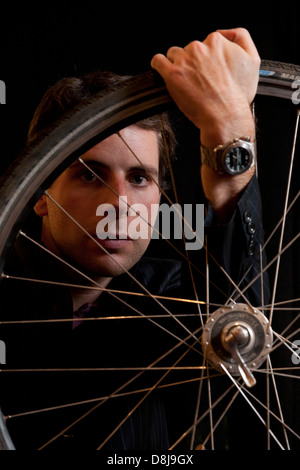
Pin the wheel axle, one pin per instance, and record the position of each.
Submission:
(238, 337)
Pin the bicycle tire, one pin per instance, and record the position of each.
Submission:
(278, 79)
(104, 114)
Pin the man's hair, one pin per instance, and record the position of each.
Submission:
(70, 91)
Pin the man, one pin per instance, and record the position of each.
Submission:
(213, 83)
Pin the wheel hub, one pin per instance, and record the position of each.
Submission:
(237, 337)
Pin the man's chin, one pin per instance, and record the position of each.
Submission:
(107, 268)
(94, 265)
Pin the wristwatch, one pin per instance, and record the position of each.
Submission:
(232, 158)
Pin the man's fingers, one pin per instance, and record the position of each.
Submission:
(160, 63)
(163, 63)
(174, 53)
(241, 37)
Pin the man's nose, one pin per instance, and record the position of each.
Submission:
(117, 195)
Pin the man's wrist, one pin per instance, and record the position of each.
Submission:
(219, 132)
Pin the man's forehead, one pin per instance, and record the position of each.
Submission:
(131, 148)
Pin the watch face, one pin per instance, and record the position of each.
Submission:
(237, 159)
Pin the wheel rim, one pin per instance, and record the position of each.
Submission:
(158, 103)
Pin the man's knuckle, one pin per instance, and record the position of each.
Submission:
(214, 38)
(195, 47)
(242, 31)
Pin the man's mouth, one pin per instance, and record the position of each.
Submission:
(113, 241)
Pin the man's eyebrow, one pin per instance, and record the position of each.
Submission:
(96, 164)
(148, 169)
(92, 163)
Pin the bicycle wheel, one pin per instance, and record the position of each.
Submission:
(22, 186)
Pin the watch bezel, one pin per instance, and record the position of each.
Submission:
(238, 143)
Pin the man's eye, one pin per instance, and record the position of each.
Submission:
(139, 180)
(88, 177)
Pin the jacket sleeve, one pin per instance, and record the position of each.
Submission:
(237, 247)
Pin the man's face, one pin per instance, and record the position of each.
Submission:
(81, 194)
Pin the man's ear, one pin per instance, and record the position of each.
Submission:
(41, 208)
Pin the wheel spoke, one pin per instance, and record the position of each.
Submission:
(158, 372)
(284, 217)
(251, 405)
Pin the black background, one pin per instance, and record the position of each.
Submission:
(42, 42)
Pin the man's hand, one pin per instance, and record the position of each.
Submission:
(213, 83)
